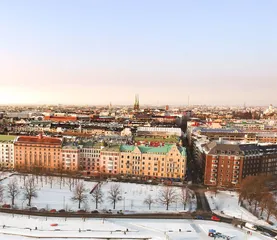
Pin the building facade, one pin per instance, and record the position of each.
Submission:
(168, 161)
(228, 164)
(90, 158)
(37, 153)
(7, 151)
(109, 160)
(70, 156)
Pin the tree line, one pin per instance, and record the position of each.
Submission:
(256, 193)
(30, 189)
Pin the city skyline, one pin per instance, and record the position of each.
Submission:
(93, 53)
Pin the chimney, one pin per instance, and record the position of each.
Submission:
(40, 136)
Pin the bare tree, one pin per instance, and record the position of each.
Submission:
(30, 190)
(185, 196)
(70, 182)
(51, 181)
(214, 190)
(271, 206)
(12, 190)
(79, 194)
(149, 201)
(1, 193)
(114, 194)
(97, 195)
(167, 196)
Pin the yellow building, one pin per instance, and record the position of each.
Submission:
(168, 161)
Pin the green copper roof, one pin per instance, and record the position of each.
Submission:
(145, 149)
(183, 151)
(127, 148)
(7, 137)
(164, 149)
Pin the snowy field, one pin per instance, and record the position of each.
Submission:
(19, 226)
(55, 194)
(226, 202)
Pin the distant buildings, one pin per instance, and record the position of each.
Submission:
(42, 154)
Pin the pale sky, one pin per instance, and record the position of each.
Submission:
(96, 52)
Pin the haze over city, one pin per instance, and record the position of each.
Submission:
(96, 52)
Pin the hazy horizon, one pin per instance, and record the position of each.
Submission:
(97, 52)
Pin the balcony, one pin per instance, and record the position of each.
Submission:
(214, 166)
(214, 161)
(234, 182)
(236, 167)
(212, 180)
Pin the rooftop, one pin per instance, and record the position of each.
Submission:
(39, 140)
(112, 148)
(169, 139)
(7, 138)
(146, 149)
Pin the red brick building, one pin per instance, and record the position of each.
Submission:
(228, 164)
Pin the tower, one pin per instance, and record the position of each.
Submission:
(136, 105)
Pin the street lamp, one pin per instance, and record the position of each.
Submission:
(22, 204)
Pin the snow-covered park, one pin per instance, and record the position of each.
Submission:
(21, 227)
(56, 193)
(226, 203)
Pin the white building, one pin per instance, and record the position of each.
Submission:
(170, 131)
(7, 151)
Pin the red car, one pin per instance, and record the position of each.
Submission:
(215, 218)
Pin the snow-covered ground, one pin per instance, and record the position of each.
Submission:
(226, 202)
(4, 175)
(19, 227)
(59, 196)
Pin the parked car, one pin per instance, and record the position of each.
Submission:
(199, 217)
(33, 209)
(81, 211)
(53, 211)
(42, 210)
(6, 206)
(215, 218)
(94, 211)
(61, 211)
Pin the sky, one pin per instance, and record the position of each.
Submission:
(96, 52)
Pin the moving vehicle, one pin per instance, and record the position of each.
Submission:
(215, 218)
(250, 226)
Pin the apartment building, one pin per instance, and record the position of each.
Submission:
(90, 157)
(37, 153)
(168, 161)
(70, 157)
(7, 151)
(109, 160)
(229, 163)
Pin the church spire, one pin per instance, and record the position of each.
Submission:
(136, 105)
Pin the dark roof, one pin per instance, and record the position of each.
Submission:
(241, 149)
